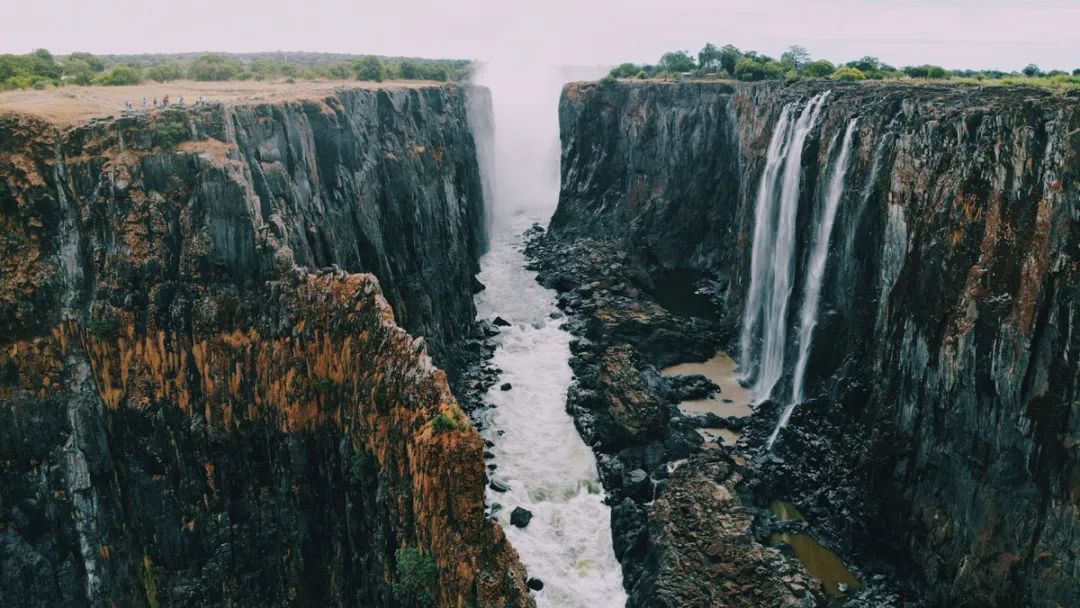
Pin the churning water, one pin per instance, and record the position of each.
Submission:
(538, 452)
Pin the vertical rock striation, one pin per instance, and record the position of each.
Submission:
(192, 413)
(945, 344)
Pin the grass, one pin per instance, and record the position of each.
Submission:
(448, 420)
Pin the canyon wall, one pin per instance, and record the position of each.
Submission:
(206, 396)
(943, 350)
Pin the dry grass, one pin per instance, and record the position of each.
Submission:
(74, 104)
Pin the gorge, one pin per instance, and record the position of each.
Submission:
(254, 353)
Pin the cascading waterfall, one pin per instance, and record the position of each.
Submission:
(773, 250)
(816, 274)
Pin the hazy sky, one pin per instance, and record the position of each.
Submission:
(1004, 34)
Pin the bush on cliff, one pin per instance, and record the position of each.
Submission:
(169, 130)
(120, 75)
(751, 69)
(416, 578)
(213, 67)
(165, 72)
(818, 69)
(448, 421)
(369, 68)
(848, 74)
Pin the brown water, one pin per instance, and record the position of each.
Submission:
(732, 400)
(822, 563)
(725, 436)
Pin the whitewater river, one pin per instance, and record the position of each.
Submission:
(550, 470)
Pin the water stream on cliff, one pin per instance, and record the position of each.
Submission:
(815, 276)
(539, 454)
(773, 251)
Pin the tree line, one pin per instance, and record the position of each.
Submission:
(729, 62)
(41, 69)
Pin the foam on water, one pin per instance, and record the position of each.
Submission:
(539, 454)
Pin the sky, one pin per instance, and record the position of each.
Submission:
(998, 34)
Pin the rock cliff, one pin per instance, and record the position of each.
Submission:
(206, 398)
(942, 377)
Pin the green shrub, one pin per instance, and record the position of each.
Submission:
(213, 67)
(369, 68)
(120, 75)
(818, 69)
(447, 422)
(169, 130)
(677, 62)
(326, 384)
(165, 72)
(416, 578)
(750, 69)
(848, 74)
(1031, 70)
(925, 71)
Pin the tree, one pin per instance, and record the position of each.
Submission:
(848, 74)
(925, 71)
(795, 56)
(1076, 72)
(1032, 70)
(709, 58)
(369, 68)
(818, 69)
(95, 63)
(213, 67)
(624, 70)
(677, 62)
(729, 56)
(120, 75)
(866, 64)
(409, 70)
(749, 69)
(165, 72)
(77, 71)
(44, 65)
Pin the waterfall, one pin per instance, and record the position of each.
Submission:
(773, 250)
(762, 231)
(816, 275)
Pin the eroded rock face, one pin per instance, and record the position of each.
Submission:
(946, 331)
(192, 413)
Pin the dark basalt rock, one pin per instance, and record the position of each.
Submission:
(949, 305)
(520, 517)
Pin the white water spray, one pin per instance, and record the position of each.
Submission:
(550, 471)
(816, 275)
(773, 252)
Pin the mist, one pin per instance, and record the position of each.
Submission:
(525, 97)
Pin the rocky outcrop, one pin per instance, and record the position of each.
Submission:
(944, 351)
(193, 413)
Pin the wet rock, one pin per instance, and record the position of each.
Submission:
(535, 584)
(505, 386)
(501, 322)
(520, 517)
(498, 485)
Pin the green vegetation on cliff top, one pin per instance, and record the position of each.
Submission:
(41, 69)
(729, 62)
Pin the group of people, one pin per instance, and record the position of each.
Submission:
(164, 103)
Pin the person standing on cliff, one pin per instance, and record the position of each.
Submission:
(144, 104)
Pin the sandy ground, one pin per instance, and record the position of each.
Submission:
(74, 104)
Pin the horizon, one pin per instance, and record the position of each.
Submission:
(955, 34)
